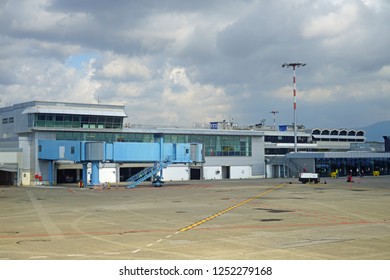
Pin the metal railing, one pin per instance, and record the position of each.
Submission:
(148, 172)
(293, 168)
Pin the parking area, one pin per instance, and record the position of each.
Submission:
(274, 219)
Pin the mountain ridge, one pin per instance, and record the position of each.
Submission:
(376, 131)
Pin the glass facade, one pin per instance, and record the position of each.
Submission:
(345, 166)
(214, 145)
(105, 136)
(285, 139)
(337, 139)
(77, 121)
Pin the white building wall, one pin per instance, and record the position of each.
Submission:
(240, 172)
(212, 172)
(8, 157)
(107, 173)
(19, 123)
(269, 171)
(27, 164)
(25, 145)
(176, 173)
(258, 157)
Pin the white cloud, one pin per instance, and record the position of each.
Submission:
(333, 23)
(284, 93)
(319, 96)
(375, 5)
(86, 87)
(181, 101)
(385, 71)
(193, 101)
(120, 66)
(51, 80)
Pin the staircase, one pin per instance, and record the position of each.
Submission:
(146, 173)
(294, 169)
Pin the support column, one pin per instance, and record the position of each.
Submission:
(85, 174)
(78, 178)
(51, 172)
(117, 175)
(95, 173)
(161, 154)
(160, 138)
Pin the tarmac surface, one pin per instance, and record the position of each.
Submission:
(270, 219)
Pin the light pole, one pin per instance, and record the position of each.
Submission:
(274, 112)
(294, 65)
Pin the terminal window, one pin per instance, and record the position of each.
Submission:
(77, 121)
(216, 145)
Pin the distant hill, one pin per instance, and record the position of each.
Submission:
(376, 131)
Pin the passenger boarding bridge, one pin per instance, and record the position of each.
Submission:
(159, 153)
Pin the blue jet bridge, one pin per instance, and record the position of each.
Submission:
(159, 153)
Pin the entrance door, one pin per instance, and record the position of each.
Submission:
(195, 174)
(67, 176)
(7, 178)
(225, 172)
(278, 171)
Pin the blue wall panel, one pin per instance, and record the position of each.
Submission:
(59, 150)
(182, 152)
(168, 152)
(137, 152)
(109, 151)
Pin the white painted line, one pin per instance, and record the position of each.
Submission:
(169, 236)
(38, 257)
(151, 244)
(112, 253)
(177, 232)
(75, 255)
(136, 251)
(158, 241)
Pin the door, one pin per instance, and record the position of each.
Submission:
(225, 172)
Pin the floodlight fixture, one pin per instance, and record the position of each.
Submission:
(293, 64)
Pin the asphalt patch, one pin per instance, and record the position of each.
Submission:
(271, 220)
(273, 210)
(27, 241)
(9, 232)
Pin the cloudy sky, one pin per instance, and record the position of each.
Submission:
(179, 62)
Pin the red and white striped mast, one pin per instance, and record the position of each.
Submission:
(294, 65)
(274, 112)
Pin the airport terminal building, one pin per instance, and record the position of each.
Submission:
(230, 151)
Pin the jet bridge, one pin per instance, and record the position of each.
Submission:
(159, 153)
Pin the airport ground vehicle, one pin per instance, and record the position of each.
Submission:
(309, 177)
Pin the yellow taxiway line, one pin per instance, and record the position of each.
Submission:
(229, 209)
